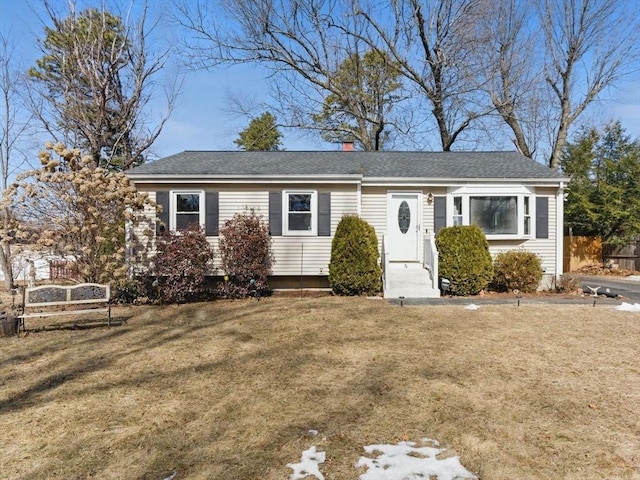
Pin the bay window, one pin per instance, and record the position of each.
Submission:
(501, 213)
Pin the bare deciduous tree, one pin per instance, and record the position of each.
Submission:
(434, 43)
(13, 128)
(95, 82)
(303, 43)
(589, 45)
(514, 83)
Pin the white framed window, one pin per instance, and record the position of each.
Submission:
(457, 211)
(501, 213)
(187, 208)
(496, 215)
(527, 216)
(300, 209)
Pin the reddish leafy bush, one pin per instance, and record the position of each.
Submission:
(245, 254)
(181, 264)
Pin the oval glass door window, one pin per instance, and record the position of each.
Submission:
(404, 217)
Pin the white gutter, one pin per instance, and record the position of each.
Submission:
(412, 181)
(254, 179)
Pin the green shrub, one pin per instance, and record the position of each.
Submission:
(245, 255)
(354, 268)
(464, 259)
(517, 270)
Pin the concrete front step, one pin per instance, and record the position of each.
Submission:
(408, 280)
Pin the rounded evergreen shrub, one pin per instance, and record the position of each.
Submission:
(517, 270)
(464, 259)
(354, 268)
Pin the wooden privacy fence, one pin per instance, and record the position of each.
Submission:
(626, 257)
(582, 251)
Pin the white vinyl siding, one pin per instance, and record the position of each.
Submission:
(288, 251)
(374, 210)
(235, 201)
(311, 255)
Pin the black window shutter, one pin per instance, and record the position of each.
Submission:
(542, 217)
(211, 213)
(324, 214)
(439, 213)
(275, 213)
(162, 225)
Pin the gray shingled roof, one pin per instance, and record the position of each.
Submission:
(435, 165)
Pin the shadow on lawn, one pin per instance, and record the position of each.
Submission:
(81, 324)
(281, 367)
(73, 363)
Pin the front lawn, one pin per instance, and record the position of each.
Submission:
(239, 389)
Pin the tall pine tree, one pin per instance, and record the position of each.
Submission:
(604, 193)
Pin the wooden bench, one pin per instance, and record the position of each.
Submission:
(55, 300)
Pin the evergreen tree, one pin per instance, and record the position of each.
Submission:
(604, 193)
(368, 87)
(262, 134)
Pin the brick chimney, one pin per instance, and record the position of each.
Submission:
(347, 146)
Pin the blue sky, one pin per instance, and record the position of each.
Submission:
(202, 120)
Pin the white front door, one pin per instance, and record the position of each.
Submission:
(404, 227)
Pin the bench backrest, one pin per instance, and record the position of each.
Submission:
(50, 295)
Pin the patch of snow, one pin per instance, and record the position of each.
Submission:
(472, 306)
(635, 278)
(405, 461)
(628, 307)
(309, 465)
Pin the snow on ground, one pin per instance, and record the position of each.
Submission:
(309, 465)
(628, 307)
(402, 461)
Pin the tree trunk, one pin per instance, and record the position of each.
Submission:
(5, 264)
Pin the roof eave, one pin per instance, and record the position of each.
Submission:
(232, 179)
(417, 181)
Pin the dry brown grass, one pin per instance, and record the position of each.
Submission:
(230, 390)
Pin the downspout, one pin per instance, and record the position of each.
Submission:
(359, 199)
(559, 232)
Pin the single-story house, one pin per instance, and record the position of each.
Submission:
(406, 196)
